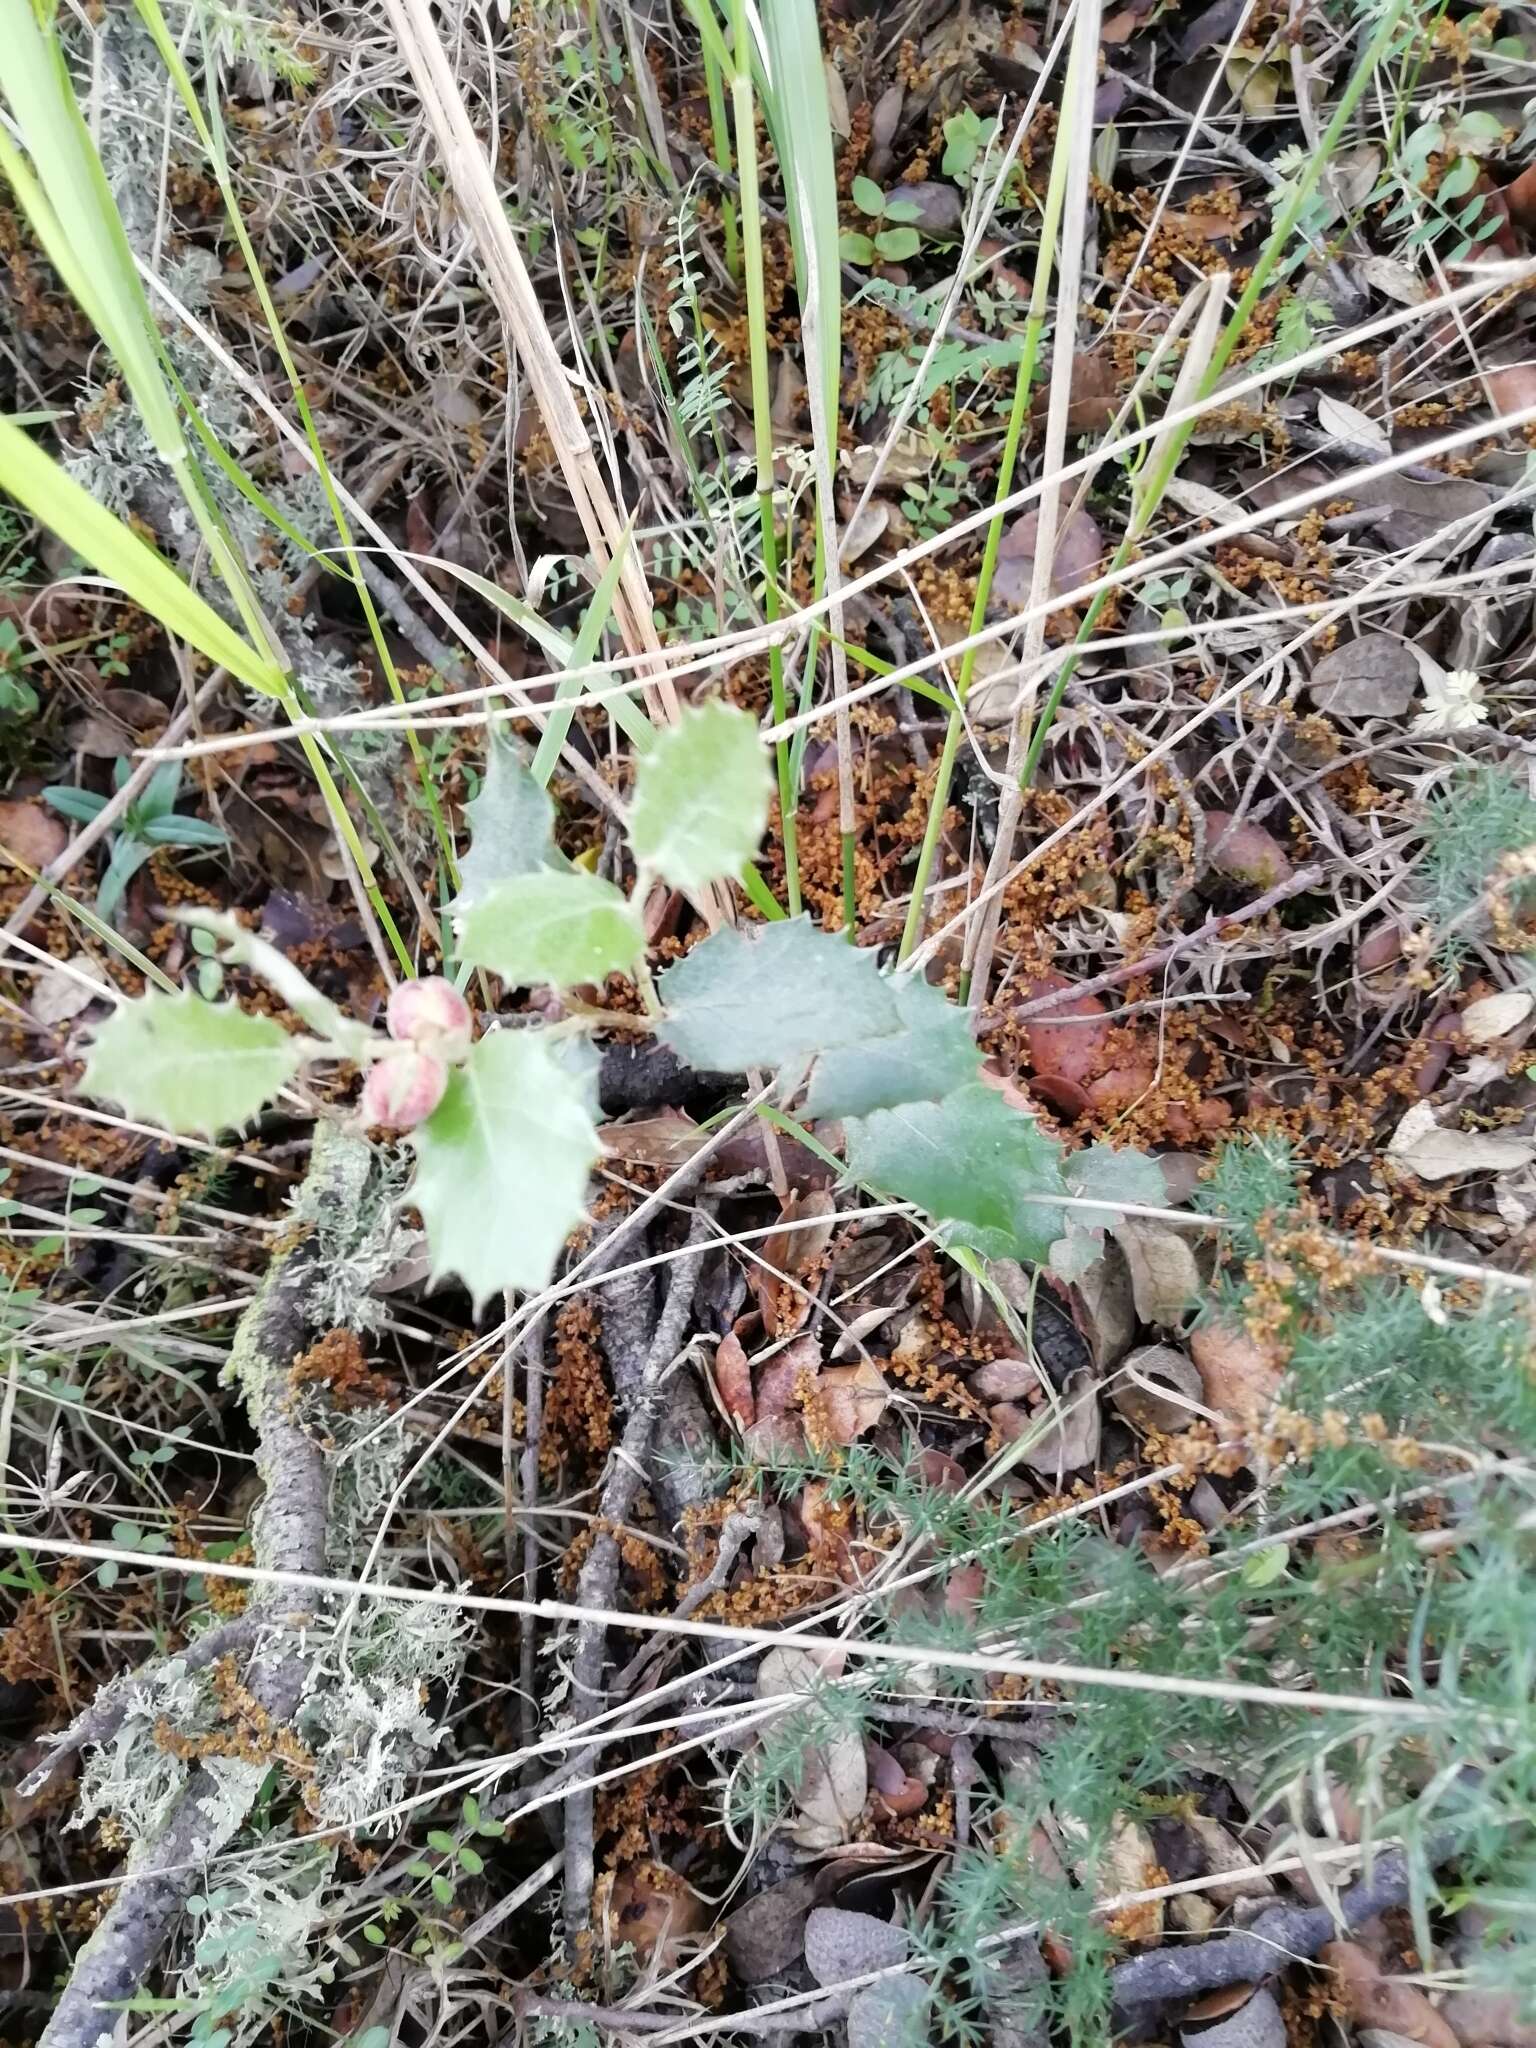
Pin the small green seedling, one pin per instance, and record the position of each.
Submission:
(891, 238)
(149, 823)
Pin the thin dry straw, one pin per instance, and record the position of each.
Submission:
(1043, 1671)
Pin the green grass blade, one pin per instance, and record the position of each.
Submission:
(53, 497)
(594, 621)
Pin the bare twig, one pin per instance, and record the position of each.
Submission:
(598, 1584)
(1258, 1951)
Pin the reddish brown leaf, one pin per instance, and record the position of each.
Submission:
(1372, 1999)
(1075, 559)
(733, 1381)
(1243, 852)
(848, 1400)
(30, 834)
(1239, 1375)
(1512, 388)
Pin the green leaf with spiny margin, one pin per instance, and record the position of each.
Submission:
(701, 798)
(502, 1166)
(511, 826)
(769, 994)
(191, 1066)
(1114, 1174)
(931, 1053)
(565, 929)
(970, 1162)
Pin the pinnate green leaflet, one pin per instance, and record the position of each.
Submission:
(930, 1053)
(191, 1066)
(511, 824)
(775, 993)
(564, 929)
(970, 1162)
(701, 798)
(502, 1166)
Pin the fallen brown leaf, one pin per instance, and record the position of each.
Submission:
(1243, 852)
(1239, 1375)
(31, 834)
(1372, 1999)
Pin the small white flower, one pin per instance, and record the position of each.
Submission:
(1452, 702)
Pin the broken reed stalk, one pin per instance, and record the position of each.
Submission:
(473, 182)
(289, 1534)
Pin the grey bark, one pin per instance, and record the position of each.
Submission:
(597, 1585)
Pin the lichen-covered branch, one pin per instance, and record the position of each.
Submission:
(290, 1532)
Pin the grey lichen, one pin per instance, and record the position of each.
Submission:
(368, 1715)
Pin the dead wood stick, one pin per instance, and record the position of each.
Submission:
(533, 1432)
(1267, 1944)
(598, 1583)
(289, 1534)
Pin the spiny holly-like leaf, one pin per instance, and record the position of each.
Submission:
(189, 1065)
(968, 1161)
(779, 992)
(561, 928)
(511, 826)
(931, 1053)
(502, 1166)
(1115, 1176)
(701, 798)
(1112, 1174)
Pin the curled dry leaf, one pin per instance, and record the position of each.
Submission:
(667, 1139)
(848, 1399)
(1513, 388)
(1495, 1017)
(1258, 2023)
(1240, 1375)
(765, 1937)
(1095, 384)
(1065, 1441)
(792, 1256)
(1374, 676)
(1129, 1864)
(779, 1379)
(1373, 1999)
(1158, 1388)
(58, 995)
(1005, 1379)
(1420, 1146)
(1223, 1852)
(1165, 1281)
(31, 834)
(833, 1788)
(1075, 559)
